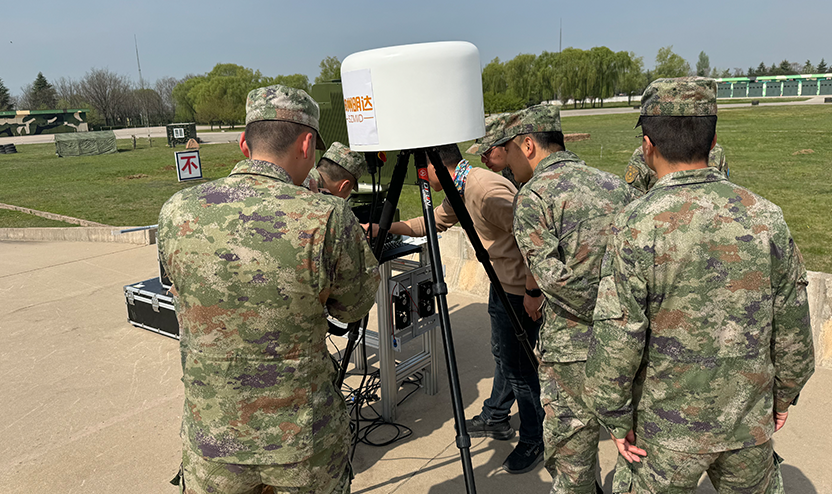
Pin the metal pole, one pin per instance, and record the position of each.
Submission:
(463, 441)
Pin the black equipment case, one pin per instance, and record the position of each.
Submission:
(150, 306)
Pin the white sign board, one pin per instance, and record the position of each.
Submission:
(178, 133)
(187, 165)
(359, 106)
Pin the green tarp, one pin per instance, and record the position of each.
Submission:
(85, 143)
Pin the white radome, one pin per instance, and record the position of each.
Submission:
(413, 96)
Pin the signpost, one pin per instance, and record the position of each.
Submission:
(188, 166)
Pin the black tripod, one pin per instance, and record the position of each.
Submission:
(463, 441)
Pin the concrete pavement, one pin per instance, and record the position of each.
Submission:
(92, 404)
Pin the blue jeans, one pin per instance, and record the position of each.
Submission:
(515, 377)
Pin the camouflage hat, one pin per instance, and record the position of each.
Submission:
(351, 161)
(680, 97)
(538, 118)
(493, 132)
(284, 103)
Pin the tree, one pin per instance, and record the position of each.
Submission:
(164, 88)
(183, 99)
(5, 98)
(108, 93)
(821, 68)
(795, 68)
(808, 68)
(633, 79)
(750, 72)
(501, 102)
(69, 93)
(42, 95)
(761, 70)
(572, 76)
(703, 65)
(494, 77)
(544, 69)
(520, 77)
(330, 70)
(669, 64)
(297, 81)
(603, 73)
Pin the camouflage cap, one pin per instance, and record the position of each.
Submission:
(493, 132)
(680, 97)
(286, 104)
(351, 161)
(538, 118)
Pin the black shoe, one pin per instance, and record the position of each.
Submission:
(524, 458)
(477, 427)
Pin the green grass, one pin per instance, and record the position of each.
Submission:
(759, 144)
(762, 100)
(126, 188)
(16, 219)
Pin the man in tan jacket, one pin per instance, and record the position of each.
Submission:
(489, 199)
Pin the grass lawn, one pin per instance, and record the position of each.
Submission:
(16, 219)
(762, 100)
(129, 188)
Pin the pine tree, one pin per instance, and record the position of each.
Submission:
(761, 70)
(5, 98)
(44, 96)
(822, 68)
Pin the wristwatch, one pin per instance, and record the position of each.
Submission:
(534, 293)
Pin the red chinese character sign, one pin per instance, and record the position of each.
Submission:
(187, 165)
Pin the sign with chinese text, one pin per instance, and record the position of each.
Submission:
(187, 165)
(358, 104)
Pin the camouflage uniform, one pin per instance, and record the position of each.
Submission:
(641, 177)
(561, 222)
(701, 324)
(256, 262)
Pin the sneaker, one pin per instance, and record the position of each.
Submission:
(524, 458)
(477, 427)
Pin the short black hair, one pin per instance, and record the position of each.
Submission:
(274, 137)
(449, 154)
(550, 141)
(334, 171)
(681, 139)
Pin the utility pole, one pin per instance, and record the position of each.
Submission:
(560, 42)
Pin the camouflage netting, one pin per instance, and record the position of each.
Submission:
(26, 123)
(85, 143)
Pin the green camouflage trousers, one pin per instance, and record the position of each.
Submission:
(323, 473)
(570, 430)
(742, 471)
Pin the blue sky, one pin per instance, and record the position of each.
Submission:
(66, 39)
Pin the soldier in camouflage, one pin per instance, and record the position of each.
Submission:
(256, 262)
(337, 172)
(702, 338)
(562, 217)
(641, 177)
(494, 157)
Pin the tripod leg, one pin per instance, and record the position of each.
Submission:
(463, 441)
